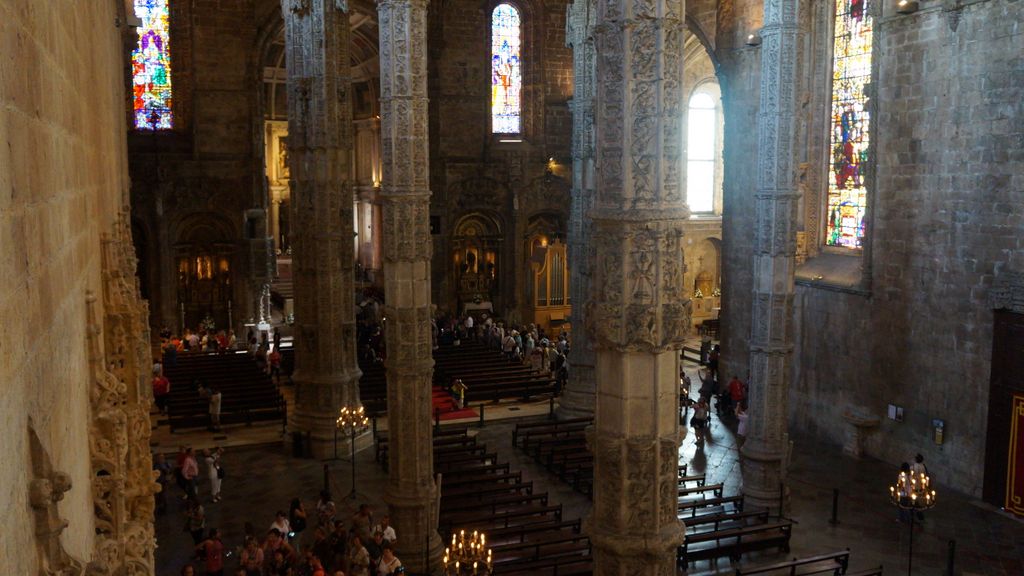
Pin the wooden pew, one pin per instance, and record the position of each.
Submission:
(832, 563)
(734, 542)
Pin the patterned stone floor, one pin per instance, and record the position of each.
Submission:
(262, 479)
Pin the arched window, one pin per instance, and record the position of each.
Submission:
(701, 152)
(151, 67)
(851, 123)
(506, 70)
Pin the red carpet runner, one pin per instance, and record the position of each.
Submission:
(444, 402)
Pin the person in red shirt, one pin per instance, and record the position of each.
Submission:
(212, 549)
(736, 391)
(161, 390)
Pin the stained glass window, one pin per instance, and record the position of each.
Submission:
(506, 70)
(851, 123)
(701, 121)
(151, 67)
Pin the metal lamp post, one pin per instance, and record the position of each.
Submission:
(352, 421)
(913, 493)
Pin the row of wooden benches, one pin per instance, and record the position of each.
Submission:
(525, 530)
(248, 394)
(717, 525)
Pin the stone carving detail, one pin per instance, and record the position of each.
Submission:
(412, 491)
(637, 309)
(120, 396)
(46, 490)
(775, 253)
(638, 288)
(320, 140)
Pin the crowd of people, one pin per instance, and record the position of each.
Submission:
(297, 542)
(730, 400)
(526, 344)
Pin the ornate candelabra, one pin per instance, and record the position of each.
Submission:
(352, 420)
(467, 556)
(913, 493)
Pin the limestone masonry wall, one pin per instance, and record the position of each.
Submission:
(948, 220)
(62, 181)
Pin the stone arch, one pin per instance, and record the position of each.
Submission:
(206, 269)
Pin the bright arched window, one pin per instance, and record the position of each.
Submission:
(506, 70)
(851, 123)
(701, 140)
(151, 67)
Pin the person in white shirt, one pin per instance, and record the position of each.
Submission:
(386, 529)
(282, 524)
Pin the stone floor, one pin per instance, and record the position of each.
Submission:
(262, 479)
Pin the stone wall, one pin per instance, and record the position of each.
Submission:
(62, 183)
(948, 220)
(208, 170)
(471, 170)
(912, 325)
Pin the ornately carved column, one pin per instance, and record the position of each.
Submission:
(638, 308)
(578, 397)
(771, 339)
(317, 40)
(411, 492)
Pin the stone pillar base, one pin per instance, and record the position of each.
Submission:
(763, 477)
(419, 546)
(647, 554)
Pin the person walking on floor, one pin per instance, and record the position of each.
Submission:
(214, 471)
(190, 473)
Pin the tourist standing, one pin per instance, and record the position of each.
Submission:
(212, 550)
(741, 417)
(325, 510)
(297, 518)
(358, 558)
(214, 471)
(163, 470)
(161, 390)
(215, 403)
(252, 557)
(190, 472)
(386, 530)
(195, 520)
(388, 563)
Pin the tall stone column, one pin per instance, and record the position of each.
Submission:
(317, 40)
(638, 308)
(771, 339)
(411, 493)
(578, 398)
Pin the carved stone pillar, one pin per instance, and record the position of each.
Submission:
(638, 309)
(578, 398)
(771, 339)
(317, 40)
(411, 491)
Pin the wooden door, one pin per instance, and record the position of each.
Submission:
(1007, 381)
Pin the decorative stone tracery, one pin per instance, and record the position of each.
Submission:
(578, 396)
(412, 492)
(771, 339)
(123, 482)
(320, 140)
(637, 311)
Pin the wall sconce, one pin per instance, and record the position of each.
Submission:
(906, 6)
(754, 38)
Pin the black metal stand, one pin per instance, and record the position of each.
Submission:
(352, 493)
(910, 554)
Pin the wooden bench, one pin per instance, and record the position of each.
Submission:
(833, 563)
(689, 508)
(722, 520)
(734, 542)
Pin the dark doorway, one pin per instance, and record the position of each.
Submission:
(1007, 380)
